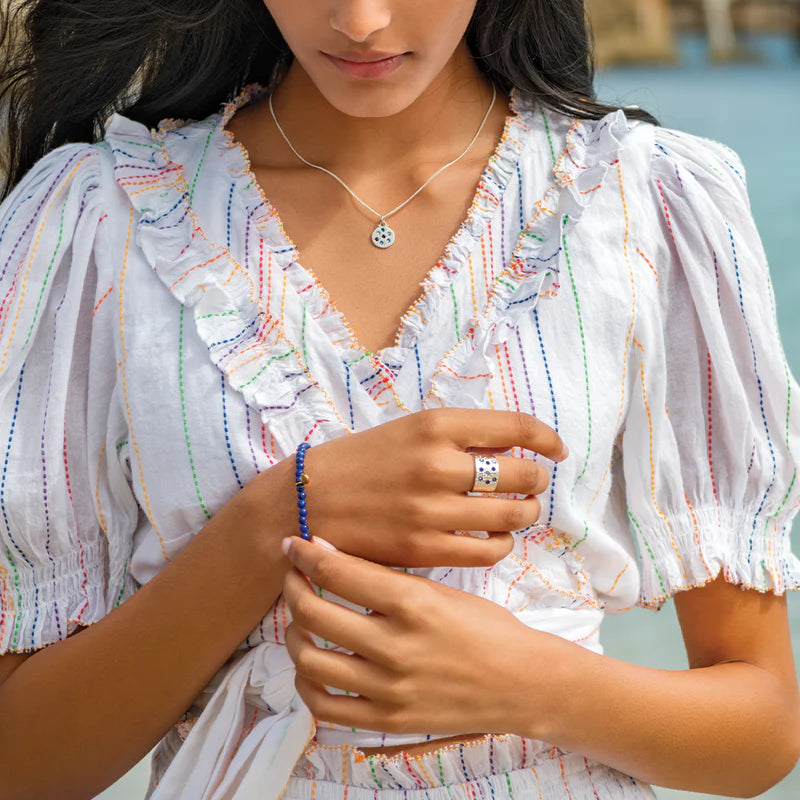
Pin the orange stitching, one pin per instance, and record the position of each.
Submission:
(100, 301)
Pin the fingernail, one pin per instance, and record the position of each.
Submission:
(286, 543)
(564, 453)
(323, 543)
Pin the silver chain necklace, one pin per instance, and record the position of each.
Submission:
(383, 236)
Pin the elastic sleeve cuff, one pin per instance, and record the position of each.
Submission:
(44, 604)
(749, 549)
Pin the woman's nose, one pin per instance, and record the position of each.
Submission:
(360, 19)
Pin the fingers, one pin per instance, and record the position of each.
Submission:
(355, 712)
(350, 673)
(495, 430)
(485, 514)
(331, 621)
(362, 582)
(436, 549)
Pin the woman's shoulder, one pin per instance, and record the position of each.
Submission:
(79, 170)
(643, 151)
(59, 206)
(585, 161)
(710, 166)
(133, 144)
(104, 179)
(125, 141)
(145, 155)
(658, 178)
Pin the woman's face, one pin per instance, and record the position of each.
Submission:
(374, 58)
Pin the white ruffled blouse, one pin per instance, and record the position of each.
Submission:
(161, 343)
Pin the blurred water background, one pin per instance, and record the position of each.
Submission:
(754, 107)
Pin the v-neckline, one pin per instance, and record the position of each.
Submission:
(447, 267)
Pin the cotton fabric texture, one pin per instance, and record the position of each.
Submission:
(161, 343)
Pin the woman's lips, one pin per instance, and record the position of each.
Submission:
(368, 69)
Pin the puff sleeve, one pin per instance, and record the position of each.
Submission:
(67, 512)
(711, 436)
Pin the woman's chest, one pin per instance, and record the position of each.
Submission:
(212, 400)
(331, 235)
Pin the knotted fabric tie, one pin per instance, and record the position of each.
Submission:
(220, 759)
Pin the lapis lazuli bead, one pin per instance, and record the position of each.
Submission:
(304, 528)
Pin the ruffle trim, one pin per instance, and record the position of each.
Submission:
(237, 162)
(488, 196)
(248, 346)
(747, 548)
(592, 148)
(368, 369)
(44, 605)
(272, 232)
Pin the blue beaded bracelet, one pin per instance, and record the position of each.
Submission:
(300, 481)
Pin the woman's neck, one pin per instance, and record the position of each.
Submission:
(432, 130)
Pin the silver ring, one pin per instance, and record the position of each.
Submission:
(487, 474)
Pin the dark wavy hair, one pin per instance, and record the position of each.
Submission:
(67, 64)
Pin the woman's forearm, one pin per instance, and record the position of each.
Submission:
(725, 729)
(78, 714)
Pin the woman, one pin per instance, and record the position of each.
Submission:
(170, 341)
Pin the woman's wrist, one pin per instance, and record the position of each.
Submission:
(544, 659)
(265, 512)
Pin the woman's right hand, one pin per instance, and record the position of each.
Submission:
(395, 494)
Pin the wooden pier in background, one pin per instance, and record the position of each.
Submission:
(644, 30)
(632, 31)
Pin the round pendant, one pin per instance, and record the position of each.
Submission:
(383, 236)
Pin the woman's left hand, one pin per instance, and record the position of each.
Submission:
(428, 658)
